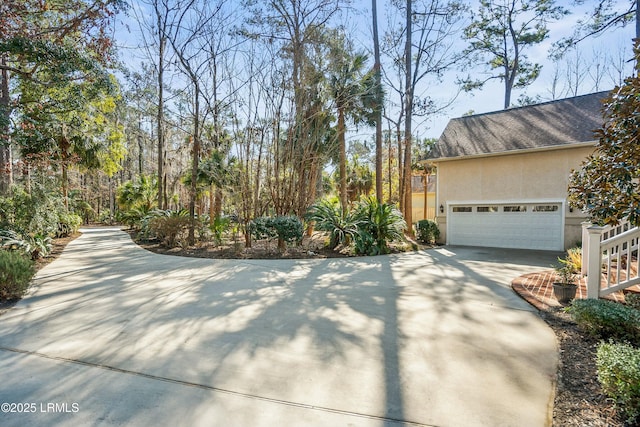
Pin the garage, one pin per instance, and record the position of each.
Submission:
(514, 225)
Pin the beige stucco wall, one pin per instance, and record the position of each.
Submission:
(532, 176)
(417, 203)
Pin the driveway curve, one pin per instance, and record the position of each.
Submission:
(111, 334)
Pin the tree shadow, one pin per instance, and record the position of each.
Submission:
(335, 334)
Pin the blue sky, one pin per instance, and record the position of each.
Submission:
(488, 99)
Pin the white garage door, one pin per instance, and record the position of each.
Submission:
(525, 226)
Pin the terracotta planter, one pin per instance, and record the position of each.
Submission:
(564, 292)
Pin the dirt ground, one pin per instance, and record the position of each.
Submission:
(579, 401)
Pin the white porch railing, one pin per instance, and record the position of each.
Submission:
(612, 251)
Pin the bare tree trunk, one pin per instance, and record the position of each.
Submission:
(6, 167)
(343, 162)
(390, 161)
(407, 125)
(400, 168)
(378, 117)
(211, 204)
(163, 42)
(140, 148)
(195, 158)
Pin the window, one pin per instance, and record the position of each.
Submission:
(487, 209)
(462, 209)
(545, 208)
(515, 208)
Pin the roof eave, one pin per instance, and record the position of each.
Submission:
(512, 152)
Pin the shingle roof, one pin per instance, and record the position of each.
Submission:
(550, 124)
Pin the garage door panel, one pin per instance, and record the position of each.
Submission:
(529, 226)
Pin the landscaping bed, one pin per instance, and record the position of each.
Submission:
(579, 400)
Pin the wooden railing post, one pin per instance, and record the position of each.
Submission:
(594, 261)
(585, 247)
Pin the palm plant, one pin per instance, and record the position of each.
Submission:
(347, 89)
(329, 217)
(380, 223)
(139, 194)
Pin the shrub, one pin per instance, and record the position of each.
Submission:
(619, 373)
(632, 300)
(132, 217)
(329, 217)
(260, 228)
(16, 271)
(40, 246)
(68, 223)
(38, 211)
(287, 229)
(170, 227)
(428, 231)
(33, 246)
(144, 223)
(378, 224)
(574, 259)
(12, 241)
(607, 319)
(371, 225)
(220, 225)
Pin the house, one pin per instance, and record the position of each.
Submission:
(423, 199)
(503, 176)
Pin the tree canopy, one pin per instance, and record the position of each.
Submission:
(501, 32)
(54, 56)
(607, 184)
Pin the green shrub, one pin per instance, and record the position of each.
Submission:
(287, 229)
(619, 373)
(371, 225)
(170, 227)
(132, 217)
(40, 246)
(428, 231)
(106, 218)
(33, 246)
(607, 319)
(378, 225)
(139, 194)
(260, 228)
(143, 224)
(632, 300)
(328, 216)
(68, 223)
(36, 212)
(220, 225)
(11, 240)
(16, 271)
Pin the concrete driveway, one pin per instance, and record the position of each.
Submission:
(114, 335)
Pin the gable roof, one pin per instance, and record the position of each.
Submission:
(550, 124)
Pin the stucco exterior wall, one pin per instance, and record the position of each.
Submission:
(417, 204)
(532, 176)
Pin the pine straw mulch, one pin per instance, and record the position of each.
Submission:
(579, 401)
(314, 246)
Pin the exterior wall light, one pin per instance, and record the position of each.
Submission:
(441, 209)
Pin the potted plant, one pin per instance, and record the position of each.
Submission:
(565, 289)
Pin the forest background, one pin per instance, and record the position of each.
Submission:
(196, 117)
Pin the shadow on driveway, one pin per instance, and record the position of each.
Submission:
(428, 338)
